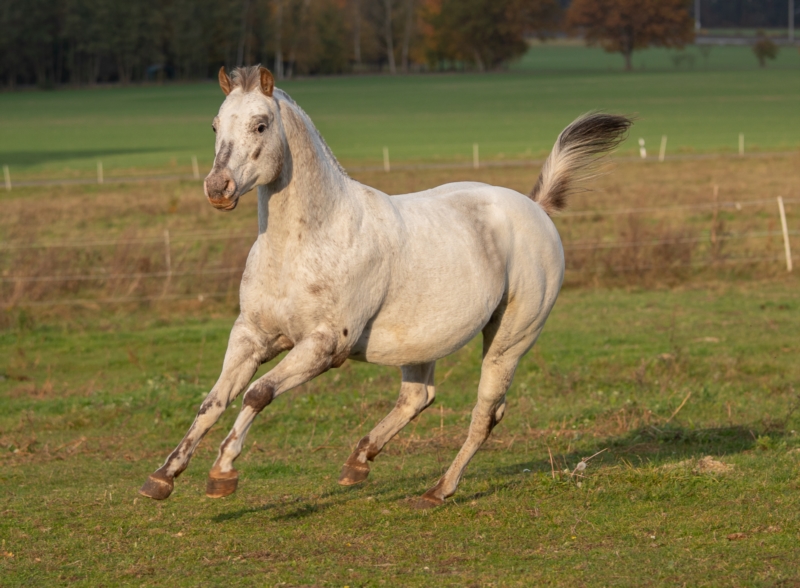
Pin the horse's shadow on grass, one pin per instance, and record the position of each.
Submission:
(386, 489)
(646, 445)
(654, 446)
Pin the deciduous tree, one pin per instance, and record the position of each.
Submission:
(623, 26)
(487, 33)
(764, 49)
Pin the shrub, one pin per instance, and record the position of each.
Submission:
(764, 49)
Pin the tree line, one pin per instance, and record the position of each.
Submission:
(76, 42)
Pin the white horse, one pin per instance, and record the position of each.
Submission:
(341, 270)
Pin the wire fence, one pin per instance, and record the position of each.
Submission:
(232, 272)
(103, 177)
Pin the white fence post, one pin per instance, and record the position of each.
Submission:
(662, 154)
(741, 144)
(167, 252)
(476, 163)
(785, 228)
(7, 175)
(167, 261)
(642, 150)
(99, 172)
(386, 167)
(195, 168)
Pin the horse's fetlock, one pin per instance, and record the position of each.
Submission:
(367, 448)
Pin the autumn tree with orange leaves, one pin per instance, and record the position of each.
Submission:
(623, 26)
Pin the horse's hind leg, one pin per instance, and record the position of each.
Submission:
(505, 340)
(416, 394)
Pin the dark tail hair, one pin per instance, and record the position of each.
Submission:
(576, 149)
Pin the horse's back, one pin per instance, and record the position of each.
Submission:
(498, 216)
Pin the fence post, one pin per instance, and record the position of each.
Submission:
(195, 168)
(99, 172)
(741, 144)
(662, 154)
(714, 223)
(7, 175)
(642, 150)
(785, 228)
(386, 167)
(167, 262)
(475, 160)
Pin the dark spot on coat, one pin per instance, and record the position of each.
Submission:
(340, 358)
(256, 153)
(368, 447)
(316, 289)
(344, 332)
(230, 439)
(182, 452)
(259, 396)
(224, 155)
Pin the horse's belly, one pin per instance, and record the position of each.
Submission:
(406, 334)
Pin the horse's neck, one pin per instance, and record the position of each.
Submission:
(312, 191)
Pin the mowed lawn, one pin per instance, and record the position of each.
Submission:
(655, 380)
(701, 106)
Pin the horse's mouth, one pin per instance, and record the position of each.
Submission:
(226, 204)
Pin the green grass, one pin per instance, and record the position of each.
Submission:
(92, 405)
(424, 118)
(571, 56)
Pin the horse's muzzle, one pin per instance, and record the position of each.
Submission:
(220, 189)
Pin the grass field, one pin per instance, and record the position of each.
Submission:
(668, 345)
(420, 118)
(90, 408)
(94, 396)
(571, 55)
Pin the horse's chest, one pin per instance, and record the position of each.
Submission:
(288, 298)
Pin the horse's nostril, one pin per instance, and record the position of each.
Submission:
(230, 187)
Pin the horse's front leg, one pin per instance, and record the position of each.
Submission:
(244, 355)
(309, 358)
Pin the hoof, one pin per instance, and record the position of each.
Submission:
(221, 487)
(158, 486)
(352, 475)
(427, 501)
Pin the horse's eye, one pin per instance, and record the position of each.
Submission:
(261, 128)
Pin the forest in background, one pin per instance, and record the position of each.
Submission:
(78, 42)
(49, 43)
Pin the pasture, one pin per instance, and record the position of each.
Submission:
(659, 371)
(91, 407)
(437, 118)
(674, 339)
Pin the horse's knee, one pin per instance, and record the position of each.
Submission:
(259, 395)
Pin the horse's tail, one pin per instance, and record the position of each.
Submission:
(576, 149)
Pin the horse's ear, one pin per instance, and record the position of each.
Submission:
(224, 81)
(267, 81)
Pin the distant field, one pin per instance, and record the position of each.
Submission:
(90, 242)
(570, 55)
(422, 118)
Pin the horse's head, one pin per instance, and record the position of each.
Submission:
(250, 142)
